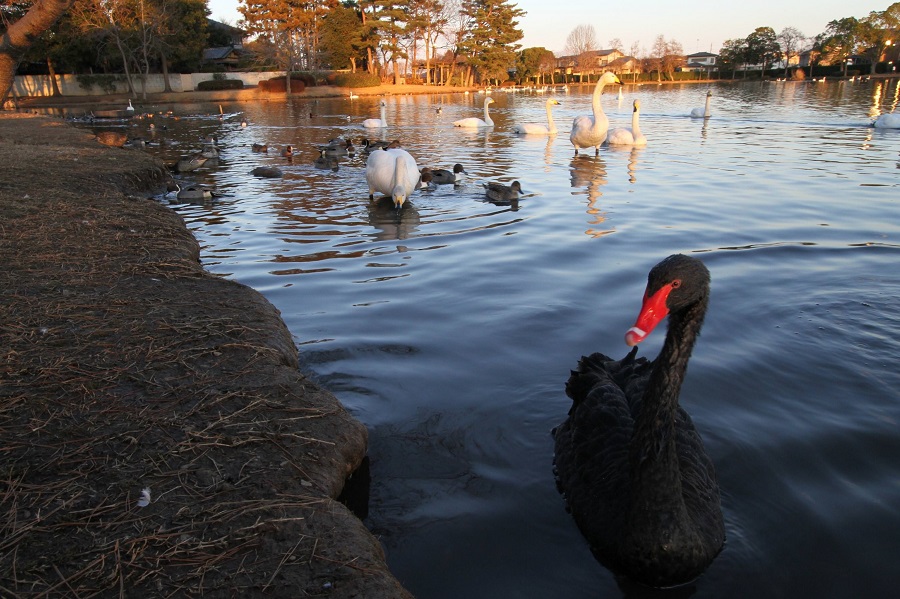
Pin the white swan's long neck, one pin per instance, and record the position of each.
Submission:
(384, 115)
(551, 126)
(398, 183)
(596, 106)
(706, 110)
(487, 117)
(635, 123)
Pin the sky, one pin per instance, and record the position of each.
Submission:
(698, 26)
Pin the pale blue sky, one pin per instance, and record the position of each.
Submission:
(699, 26)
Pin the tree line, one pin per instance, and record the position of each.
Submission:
(477, 39)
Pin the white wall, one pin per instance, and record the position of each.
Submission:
(39, 85)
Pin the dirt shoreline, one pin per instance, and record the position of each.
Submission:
(126, 366)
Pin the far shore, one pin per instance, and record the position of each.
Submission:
(255, 94)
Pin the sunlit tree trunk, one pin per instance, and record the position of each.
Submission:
(54, 87)
(20, 35)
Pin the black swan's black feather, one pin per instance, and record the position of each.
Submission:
(637, 481)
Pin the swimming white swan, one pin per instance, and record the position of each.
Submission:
(702, 113)
(887, 121)
(625, 136)
(590, 131)
(382, 122)
(476, 122)
(535, 129)
(394, 173)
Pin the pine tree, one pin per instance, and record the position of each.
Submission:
(491, 33)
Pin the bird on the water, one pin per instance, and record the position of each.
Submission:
(628, 460)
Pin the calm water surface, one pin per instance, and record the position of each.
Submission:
(450, 329)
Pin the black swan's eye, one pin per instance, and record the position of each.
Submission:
(676, 283)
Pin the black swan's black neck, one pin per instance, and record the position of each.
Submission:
(655, 474)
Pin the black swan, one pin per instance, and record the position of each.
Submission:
(629, 462)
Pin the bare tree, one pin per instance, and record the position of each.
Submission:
(635, 55)
(791, 41)
(657, 54)
(673, 58)
(582, 43)
(581, 39)
(616, 44)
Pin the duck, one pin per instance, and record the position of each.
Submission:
(380, 122)
(193, 193)
(498, 192)
(338, 147)
(537, 129)
(439, 110)
(590, 131)
(190, 163)
(394, 173)
(271, 172)
(288, 151)
(887, 121)
(628, 460)
(442, 176)
(260, 148)
(370, 145)
(625, 136)
(326, 162)
(473, 122)
(702, 113)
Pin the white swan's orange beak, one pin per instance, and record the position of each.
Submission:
(653, 310)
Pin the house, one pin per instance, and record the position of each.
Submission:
(228, 45)
(592, 62)
(224, 56)
(223, 34)
(700, 61)
(625, 65)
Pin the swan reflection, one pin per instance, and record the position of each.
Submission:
(589, 172)
(391, 222)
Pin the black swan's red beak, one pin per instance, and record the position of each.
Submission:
(653, 310)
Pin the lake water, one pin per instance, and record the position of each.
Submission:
(450, 329)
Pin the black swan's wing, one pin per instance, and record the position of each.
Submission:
(591, 446)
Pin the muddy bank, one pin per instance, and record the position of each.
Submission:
(158, 438)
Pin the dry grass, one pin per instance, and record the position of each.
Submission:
(124, 366)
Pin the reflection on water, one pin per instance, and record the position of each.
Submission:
(392, 223)
(450, 327)
(590, 172)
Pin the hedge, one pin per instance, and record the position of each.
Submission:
(220, 84)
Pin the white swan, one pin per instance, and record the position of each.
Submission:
(625, 136)
(476, 122)
(392, 172)
(382, 122)
(535, 129)
(887, 121)
(590, 131)
(702, 113)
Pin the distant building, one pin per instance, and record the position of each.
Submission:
(701, 61)
(588, 63)
(228, 48)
